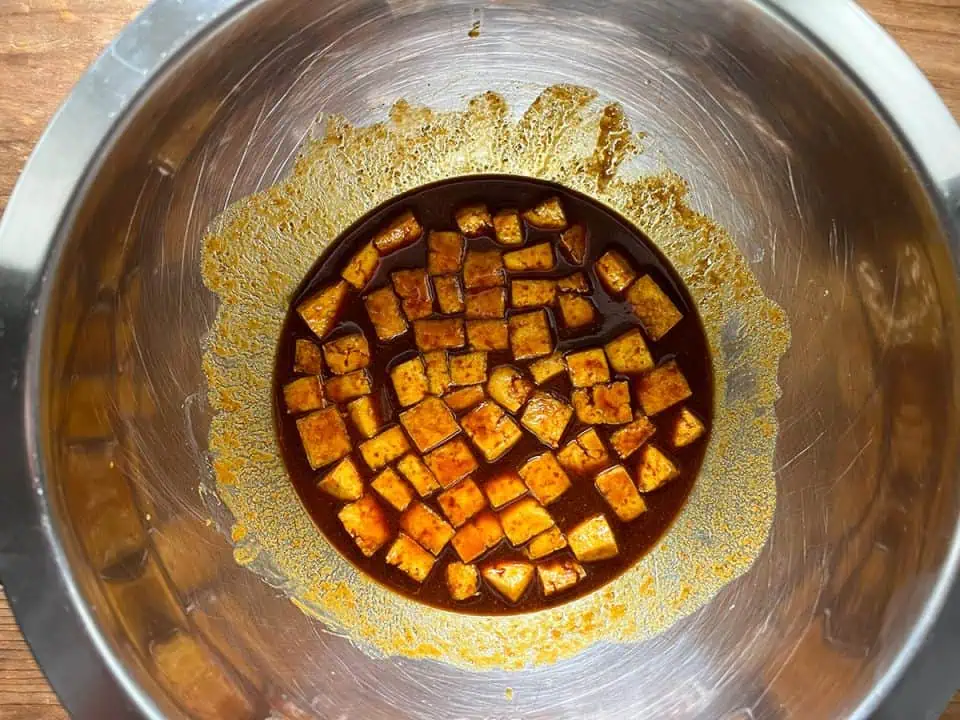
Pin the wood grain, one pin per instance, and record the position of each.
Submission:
(46, 44)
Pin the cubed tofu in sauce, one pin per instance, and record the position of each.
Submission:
(366, 523)
(508, 228)
(492, 431)
(347, 353)
(406, 555)
(383, 308)
(474, 220)
(410, 382)
(463, 581)
(510, 578)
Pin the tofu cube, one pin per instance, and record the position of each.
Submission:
(383, 449)
(437, 367)
(452, 462)
(362, 266)
(662, 388)
(320, 310)
(392, 488)
(410, 382)
(547, 368)
(418, 475)
(524, 519)
(461, 502)
(383, 307)
(324, 437)
(533, 293)
(449, 294)
(503, 488)
(444, 253)
(486, 335)
(545, 478)
(366, 523)
(477, 536)
(573, 243)
(587, 367)
(343, 482)
(469, 368)
(687, 429)
(307, 358)
(509, 387)
(429, 423)
(629, 353)
(463, 581)
(487, 304)
(654, 469)
(464, 398)
(531, 259)
(617, 488)
(483, 269)
(416, 296)
(303, 395)
(656, 310)
(547, 542)
(593, 540)
(491, 430)
(614, 271)
(507, 227)
(559, 574)
(346, 354)
(445, 334)
(510, 578)
(546, 417)
(343, 388)
(577, 311)
(585, 454)
(406, 555)
(426, 527)
(474, 220)
(628, 439)
(576, 283)
(402, 231)
(605, 404)
(530, 335)
(547, 215)
(365, 415)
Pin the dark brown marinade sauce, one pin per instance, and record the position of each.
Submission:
(434, 206)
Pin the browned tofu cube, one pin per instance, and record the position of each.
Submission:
(656, 310)
(584, 454)
(617, 488)
(365, 415)
(406, 555)
(426, 527)
(418, 475)
(577, 311)
(593, 540)
(366, 523)
(531, 259)
(546, 417)
(533, 293)
(547, 542)
(490, 303)
(461, 502)
(469, 368)
(324, 437)
(587, 367)
(510, 578)
(346, 354)
(410, 382)
(491, 430)
(614, 271)
(474, 220)
(509, 387)
(437, 367)
(477, 536)
(628, 439)
(452, 462)
(392, 488)
(303, 395)
(576, 283)
(547, 215)
(654, 469)
(383, 307)
(307, 359)
(573, 243)
(362, 266)
(444, 253)
(449, 294)
(662, 388)
(416, 296)
(507, 227)
(524, 519)
(320, 310)
(483, 269)
(504, 487)
(687, 429)
(464, 398)
(545, 478)
(463, 581)
(530, 335)
(383, 449)
(402, 231)
(547, 368)
(488, 335)
(605, 404)
(445, 334)
(559, 574)
(629, 353)
(343, 388)
(343, 482)
(429, 423)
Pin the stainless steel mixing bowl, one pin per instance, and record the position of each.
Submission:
(805, 131)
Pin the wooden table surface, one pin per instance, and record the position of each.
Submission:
(45, 46)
